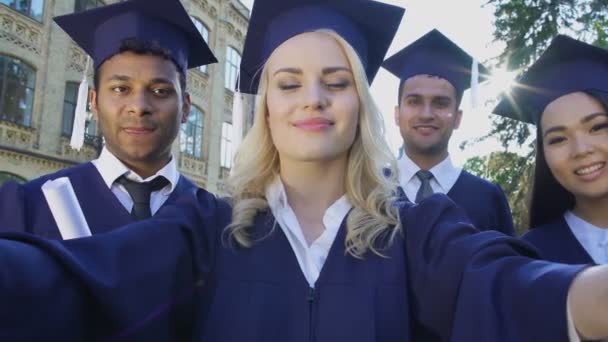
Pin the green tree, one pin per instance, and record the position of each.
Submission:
(511, 172)
(477, 166)
(527, 27)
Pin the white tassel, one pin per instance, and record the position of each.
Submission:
(474, 84)
(237, 117)
(80, 114)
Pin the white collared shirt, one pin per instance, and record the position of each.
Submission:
(445, 175)
(111, 168)
(594, 239)
(310, 258)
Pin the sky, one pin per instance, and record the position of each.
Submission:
(469, 23)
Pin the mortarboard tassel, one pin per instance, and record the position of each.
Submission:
(237, 117)
(80, 114)
(474, 84)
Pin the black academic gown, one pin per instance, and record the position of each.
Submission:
(556, 242)
(439, 275)
(484, 202)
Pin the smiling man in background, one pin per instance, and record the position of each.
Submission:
(434, 72)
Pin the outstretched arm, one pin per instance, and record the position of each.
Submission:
(468, 285)
(132, 283)
(503, 212)
(13, 209)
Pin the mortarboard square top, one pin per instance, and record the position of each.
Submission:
(567, 66)
(100, 31)
(368, 26)
(436, 55)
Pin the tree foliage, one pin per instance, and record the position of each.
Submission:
(510, 171)
(527, 27)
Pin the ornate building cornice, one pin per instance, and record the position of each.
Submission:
(237, 17)
(204, 5)
(193, 168)
(197, 83)
(16, 135)
(20, 31)
(76, 58)
(86, 153)
(234, 32)
(33, 159)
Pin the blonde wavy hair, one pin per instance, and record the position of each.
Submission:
(372, 193)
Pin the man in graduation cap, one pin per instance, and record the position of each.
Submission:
(434, 72)
(141, 52)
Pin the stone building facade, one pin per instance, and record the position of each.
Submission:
(40, 70)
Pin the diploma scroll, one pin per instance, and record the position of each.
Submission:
(65, 208)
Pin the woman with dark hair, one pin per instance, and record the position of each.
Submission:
(549, 198)
(567, 92)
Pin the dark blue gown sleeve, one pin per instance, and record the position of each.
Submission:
(13, 207)
(504, 216)
(134, 283)
(468, 285)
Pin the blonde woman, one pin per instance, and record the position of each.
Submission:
(316, 247)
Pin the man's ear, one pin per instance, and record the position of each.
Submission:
(186, 107)
(93, 98)
(397, 115)
(458, 119)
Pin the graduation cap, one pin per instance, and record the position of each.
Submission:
(436, 55)
(101, 31)
(368, 26)
(567, 66)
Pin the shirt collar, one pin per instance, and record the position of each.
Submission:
(445, 173)
(333, 217)
(111, 168)
(275, 195)
(407, 169)
(586, 232)
(335, 214)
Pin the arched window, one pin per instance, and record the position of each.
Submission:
(191, 137)
(6, 176)
(31, 8)
(204, 31)
(83, 5)
(69, 107)
(17, 81)
(226, 145)
(233, 63)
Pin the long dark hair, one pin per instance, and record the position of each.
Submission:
(549, 198)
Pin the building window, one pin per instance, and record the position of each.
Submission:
(83, 5)
(17, 82)
(226, 145)
(204, 31)
(7, 176)
(69, 108)
(191, 137)
(31, 8)
(233, 62)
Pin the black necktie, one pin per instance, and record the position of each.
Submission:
(140, 194)
(425, 186)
